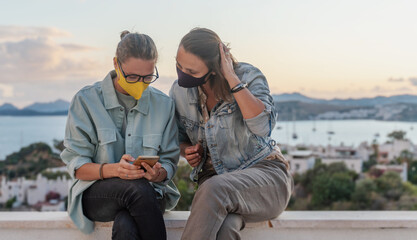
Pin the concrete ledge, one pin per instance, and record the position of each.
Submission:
(321, 225)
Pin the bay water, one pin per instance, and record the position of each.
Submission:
(17, 132)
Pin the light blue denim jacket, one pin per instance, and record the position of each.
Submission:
(234, 143)
(93, 135)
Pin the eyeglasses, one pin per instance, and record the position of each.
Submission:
(132, 78)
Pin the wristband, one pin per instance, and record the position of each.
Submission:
(238, 87)
(100, 171)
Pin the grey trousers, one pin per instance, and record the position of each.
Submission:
(224, 203)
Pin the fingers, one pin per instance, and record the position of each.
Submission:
(148, 168)
(194, 162)
(190, 150)
(125, 164)
(131, 174)
(193, 158)
(199, 148)
(151, 173)
(221, 49)
(193, 154)
(224, 51)
(126, 170)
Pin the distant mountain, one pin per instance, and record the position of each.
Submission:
(56, 106)
(8, 107)
(360, 102)
(290, 97)
(296, 106)
(375, 101)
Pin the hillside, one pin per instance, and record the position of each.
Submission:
(30, 161)
(58, 107)
(296, 106)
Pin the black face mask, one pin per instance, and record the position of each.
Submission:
(187, 81)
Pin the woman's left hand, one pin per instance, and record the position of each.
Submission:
(156, 173)
(226, 64)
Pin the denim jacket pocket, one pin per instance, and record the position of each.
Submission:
(226, 115)
(151, 144)
(106, 135)
(105, 147)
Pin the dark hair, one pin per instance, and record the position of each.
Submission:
(204, 43)
(136, 45)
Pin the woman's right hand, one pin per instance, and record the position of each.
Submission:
(194, 154)
(126, 170)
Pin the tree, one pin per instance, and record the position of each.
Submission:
(185, 187)
(9, 203)
(367, 165)
(331, 188)
(364, 194)
(390, 185)
(397, 135)
(412, 172)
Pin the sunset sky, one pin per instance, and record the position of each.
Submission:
(322, 48)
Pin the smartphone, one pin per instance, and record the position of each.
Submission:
(150, 160)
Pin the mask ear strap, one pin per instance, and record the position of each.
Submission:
(210, 74)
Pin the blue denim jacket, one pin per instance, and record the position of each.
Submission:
(234, 143)
(93, 135)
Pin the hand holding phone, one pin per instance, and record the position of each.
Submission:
(150, 160)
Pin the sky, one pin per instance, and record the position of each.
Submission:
(322, 48)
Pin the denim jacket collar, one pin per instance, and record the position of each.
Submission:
(110, 98)
(192, 95)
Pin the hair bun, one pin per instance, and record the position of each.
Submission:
(123, 34)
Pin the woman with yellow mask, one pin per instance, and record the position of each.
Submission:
(110, 123)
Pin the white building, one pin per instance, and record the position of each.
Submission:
(300, 161)
(363, 151)
(352, 163)
(392, 150)
(10, 189)
(401, 169)
(38, 189)
(33, 191)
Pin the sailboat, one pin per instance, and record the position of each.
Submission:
(294, 134)
(314, 125)
(330, 131)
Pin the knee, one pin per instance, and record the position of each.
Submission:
(231, 227)
(140, 192)
(233, 221)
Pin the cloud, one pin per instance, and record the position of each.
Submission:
(396, 80)
(18, 33)
(31, 54)
(413, 80)
(6, 90)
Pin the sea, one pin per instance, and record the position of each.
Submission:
(17, 132)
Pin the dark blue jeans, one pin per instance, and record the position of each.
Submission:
(131, 204)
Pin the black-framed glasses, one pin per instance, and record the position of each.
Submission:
(133, 78)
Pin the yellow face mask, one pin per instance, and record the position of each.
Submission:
(133, 89)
